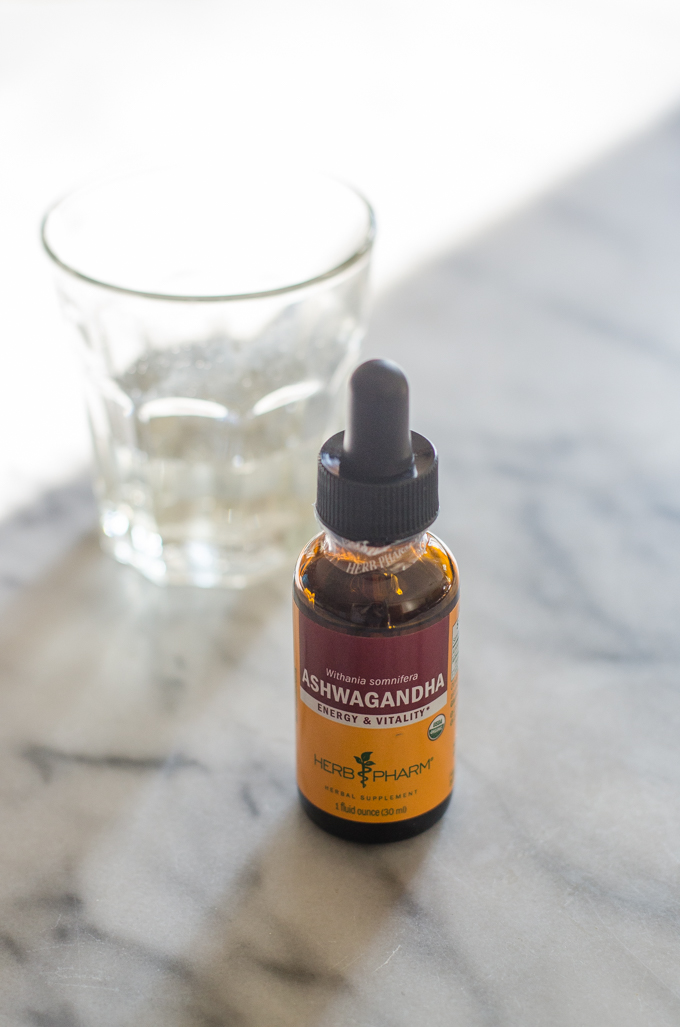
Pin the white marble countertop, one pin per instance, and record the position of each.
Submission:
(155, 868)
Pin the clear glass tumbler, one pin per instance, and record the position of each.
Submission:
(220, 315)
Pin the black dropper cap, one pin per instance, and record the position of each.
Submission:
(377, 480)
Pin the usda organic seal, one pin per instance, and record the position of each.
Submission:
(436, 727)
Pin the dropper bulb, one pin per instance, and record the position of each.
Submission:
(377, 441)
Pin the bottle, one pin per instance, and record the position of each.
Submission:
(376, 627)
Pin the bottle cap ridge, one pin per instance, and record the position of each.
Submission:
(377, 480)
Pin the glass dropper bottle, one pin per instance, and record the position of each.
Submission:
(376, 627)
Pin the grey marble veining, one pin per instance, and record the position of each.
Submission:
(155, 867)
(31, 540)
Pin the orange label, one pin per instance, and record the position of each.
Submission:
(376, 719)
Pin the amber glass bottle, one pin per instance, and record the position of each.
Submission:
(376, 631)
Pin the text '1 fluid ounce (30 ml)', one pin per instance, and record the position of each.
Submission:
(376, 627)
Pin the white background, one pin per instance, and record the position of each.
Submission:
(446, 114)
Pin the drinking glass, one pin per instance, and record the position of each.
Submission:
(220, 314)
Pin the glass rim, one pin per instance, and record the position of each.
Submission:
(336, 270)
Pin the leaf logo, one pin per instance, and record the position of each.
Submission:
(364, 762)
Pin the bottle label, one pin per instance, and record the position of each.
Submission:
(376, 719)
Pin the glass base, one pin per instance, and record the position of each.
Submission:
(204, 565)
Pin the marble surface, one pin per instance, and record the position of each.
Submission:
(155, 868)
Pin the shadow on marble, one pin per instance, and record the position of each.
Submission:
(155, 867)
(308, 908)
(109, 765)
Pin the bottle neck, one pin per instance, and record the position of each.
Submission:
(359, 558)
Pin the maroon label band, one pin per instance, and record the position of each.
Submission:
(375, 676)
